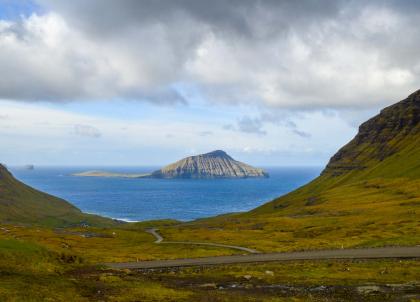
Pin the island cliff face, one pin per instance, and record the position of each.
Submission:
(216, 164)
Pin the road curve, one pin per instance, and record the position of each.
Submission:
(155, 233)
(369, 253)
(159, 240)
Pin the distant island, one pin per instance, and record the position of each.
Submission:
(216, 164)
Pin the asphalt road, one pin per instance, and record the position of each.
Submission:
(369, 253)
(155, 233)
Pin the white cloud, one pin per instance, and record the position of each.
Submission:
(40, 135)
(45, 59)
(270, 53)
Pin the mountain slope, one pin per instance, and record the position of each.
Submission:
(394, 131)
(386, 148)
(20, 203)
(216, 164)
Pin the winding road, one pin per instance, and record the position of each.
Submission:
(368, 253)
(256, 256)
(159, 240)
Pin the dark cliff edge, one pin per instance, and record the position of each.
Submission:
(378, 138)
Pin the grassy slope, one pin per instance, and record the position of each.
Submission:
(22, 204)
(368, 195)
(386, 148)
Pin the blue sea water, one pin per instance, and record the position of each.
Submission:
(146, 199)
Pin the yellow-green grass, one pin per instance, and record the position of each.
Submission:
(21, 204)
(28, 272)
(33, 272)
(101, 245)
(364, 214)
(40, 264)
(251, 282)
(309, 272)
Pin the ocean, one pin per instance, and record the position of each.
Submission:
(146, 199)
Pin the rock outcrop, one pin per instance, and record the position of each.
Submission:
(216, 164)
(380, 137)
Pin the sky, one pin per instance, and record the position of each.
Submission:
(147, 82)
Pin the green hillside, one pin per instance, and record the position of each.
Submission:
(385, 151)
(368, 195)
(387, 145)
(22, 204)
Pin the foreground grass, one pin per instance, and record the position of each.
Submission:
(287, 281)
(29, 272)
(311, 273)
(32, 272)
(35, 266)
(98, 245)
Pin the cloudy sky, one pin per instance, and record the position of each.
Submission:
(144, 82)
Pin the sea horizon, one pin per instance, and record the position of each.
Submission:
(135, 200)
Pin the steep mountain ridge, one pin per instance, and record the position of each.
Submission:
(388, 133)
(386, 149)
(20, 203)
(216, 164)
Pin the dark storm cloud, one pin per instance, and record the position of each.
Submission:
(109, 16)
(300, 54)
